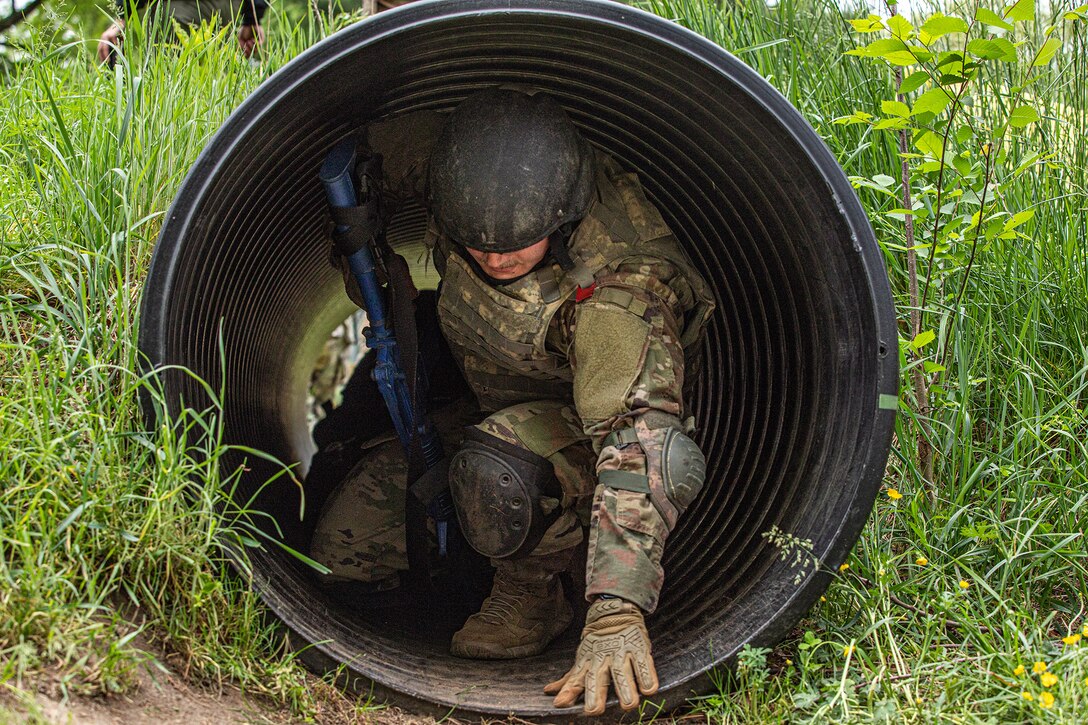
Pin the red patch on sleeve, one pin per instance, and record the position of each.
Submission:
(584, 293)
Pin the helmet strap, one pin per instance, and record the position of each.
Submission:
(557, 245)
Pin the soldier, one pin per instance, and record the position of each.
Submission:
(573, 314)
(189, 12)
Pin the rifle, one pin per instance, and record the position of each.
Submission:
(360, 236)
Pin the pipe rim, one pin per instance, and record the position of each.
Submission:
(169, 253)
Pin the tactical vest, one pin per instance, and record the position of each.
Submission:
(498, 334)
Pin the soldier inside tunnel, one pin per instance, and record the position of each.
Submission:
(563, 335)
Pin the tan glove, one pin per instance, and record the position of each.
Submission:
(615, 646)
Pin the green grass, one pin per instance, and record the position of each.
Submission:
(1008, 506)
(106, 528)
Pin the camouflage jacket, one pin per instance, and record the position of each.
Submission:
(611, 336)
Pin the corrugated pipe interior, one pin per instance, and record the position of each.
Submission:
(796, 404)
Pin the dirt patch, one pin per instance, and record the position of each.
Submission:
(160, 695)
(166, 699)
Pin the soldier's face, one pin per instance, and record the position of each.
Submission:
(510, 265)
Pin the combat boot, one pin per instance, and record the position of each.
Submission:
(525, 612)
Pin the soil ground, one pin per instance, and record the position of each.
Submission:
(167, 700)
(162, 696)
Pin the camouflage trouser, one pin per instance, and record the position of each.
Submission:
(191, 12)
(361, 532)
(360, 535)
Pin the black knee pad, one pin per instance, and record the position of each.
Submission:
(496, 489)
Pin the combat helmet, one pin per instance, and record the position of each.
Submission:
(509, 169)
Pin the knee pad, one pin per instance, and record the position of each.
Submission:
(676, 466)
(496, 489)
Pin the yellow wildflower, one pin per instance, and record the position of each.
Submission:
(1084, 630)
(1027, 695)
(848, 650)
(894, 495)
(789, 663)
(964, 584)
(1038, 667)
(823, 599)
(1019, 670)
(921, 561)
(1071, 639)
(844, 566)
(1048, 679)
(1046, 700)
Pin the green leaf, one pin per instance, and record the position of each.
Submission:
(1022, 116)
(1027, 163)
(1050, 47)
(871, 24)
(981, 531)
(906, 58)
(939, 25)
(922, 339)
(989, 17)
(962, 165)
(996, 49)
(853, 118)
(932, 101)
(932, 367)
(1019, 218)
(884, 46)
(949, 56)
(72, 516)
(920, 54)
(900, 26)
(914, 81)
(895, 51)
(883, 180)
(895, 108)
(930, 144)
(893, 124)
(901, 214)
(859, 182)
(1021, 10)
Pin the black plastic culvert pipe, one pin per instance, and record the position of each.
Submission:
(796, 404)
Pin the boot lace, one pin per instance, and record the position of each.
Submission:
(500, 607)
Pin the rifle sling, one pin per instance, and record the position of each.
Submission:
(356, 226)
(402, 314)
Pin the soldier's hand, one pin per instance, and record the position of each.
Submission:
(249, 37)
(110, 41)
(615, 648)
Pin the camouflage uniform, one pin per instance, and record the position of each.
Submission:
(368, 547)
(584, 367)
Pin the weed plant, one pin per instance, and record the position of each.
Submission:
(964, 600)
(108, 530)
